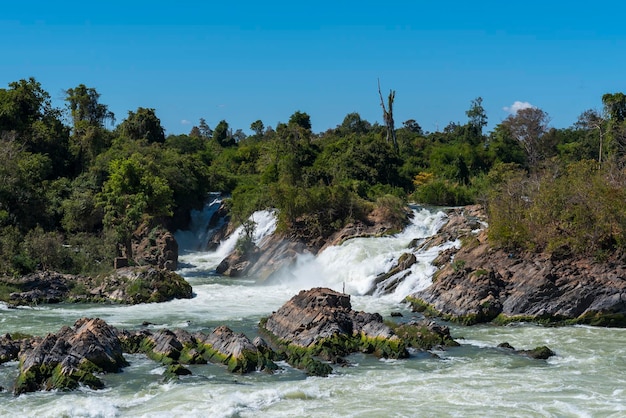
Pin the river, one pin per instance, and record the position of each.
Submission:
(587, 377)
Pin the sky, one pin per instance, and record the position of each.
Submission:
(249, 60)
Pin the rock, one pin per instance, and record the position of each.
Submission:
(39, 287)
(321, 322)
(540, 353)
(134, 285)
(382, 283)
(9, 348)
(238, 264)
(71, 357)
(479, 283)
(129, 285)
(155, 246)
(425, 335)
(236, 351)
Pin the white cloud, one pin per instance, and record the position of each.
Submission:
(185, 122)
(517, 106)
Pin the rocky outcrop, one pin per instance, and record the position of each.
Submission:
(321, 322)
(129, 285)
(155, 246)
(236, 351)
(222, 346)
(238, 264)
(70, 357)
(479, 283)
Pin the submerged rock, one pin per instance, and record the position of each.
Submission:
(540, 353)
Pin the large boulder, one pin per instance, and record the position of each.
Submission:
(321, 322)
(71, 357)
(479, 283)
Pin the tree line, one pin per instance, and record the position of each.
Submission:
(74, 188)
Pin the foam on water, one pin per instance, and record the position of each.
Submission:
(586, 378)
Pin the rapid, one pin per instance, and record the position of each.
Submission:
(587, 377)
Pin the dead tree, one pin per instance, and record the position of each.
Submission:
(388, 116)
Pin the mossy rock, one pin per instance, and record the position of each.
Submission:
(174, 371)
(421, 337)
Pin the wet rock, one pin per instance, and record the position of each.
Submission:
(539, 353)
(71, 357)
(238, 264)
(9, 348)
(236, 351)
(321, 322)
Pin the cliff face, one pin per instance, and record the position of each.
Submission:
(479, 283)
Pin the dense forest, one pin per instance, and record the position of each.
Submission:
(73, 191)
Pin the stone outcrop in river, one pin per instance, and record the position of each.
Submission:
(479, 283)
(70, 357)
(129, 285)
(321, 323)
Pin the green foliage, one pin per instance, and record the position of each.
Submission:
(143, 124)
(574, 208)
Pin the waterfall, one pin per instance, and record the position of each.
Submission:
(197, 236)
(354, 265)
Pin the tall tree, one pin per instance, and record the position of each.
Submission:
(223, 135)
(301, 119)
(592, 119)
(615, 109)
(477, 115)
(89, 116)
(143, 124)
(388, 116)
(84, 105)
(205, 130)
(528, 127)
(257, 127)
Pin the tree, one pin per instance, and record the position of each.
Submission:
(388, 116)
(412, 126)
(528, 127)
(195, 132)
(143, 124)
(205, 130)
(223, 135)
(89, 116)
(131, 194)
(84, 106)
(27, 116)
(257, 127)
(476, 115)
(353, 123)
(300, 119)
(591, 119)
(615, 109)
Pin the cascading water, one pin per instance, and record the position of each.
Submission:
(197, 236)
(586, 378)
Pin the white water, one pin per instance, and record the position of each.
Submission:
(587, 378)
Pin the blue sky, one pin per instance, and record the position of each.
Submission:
(243, 61)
